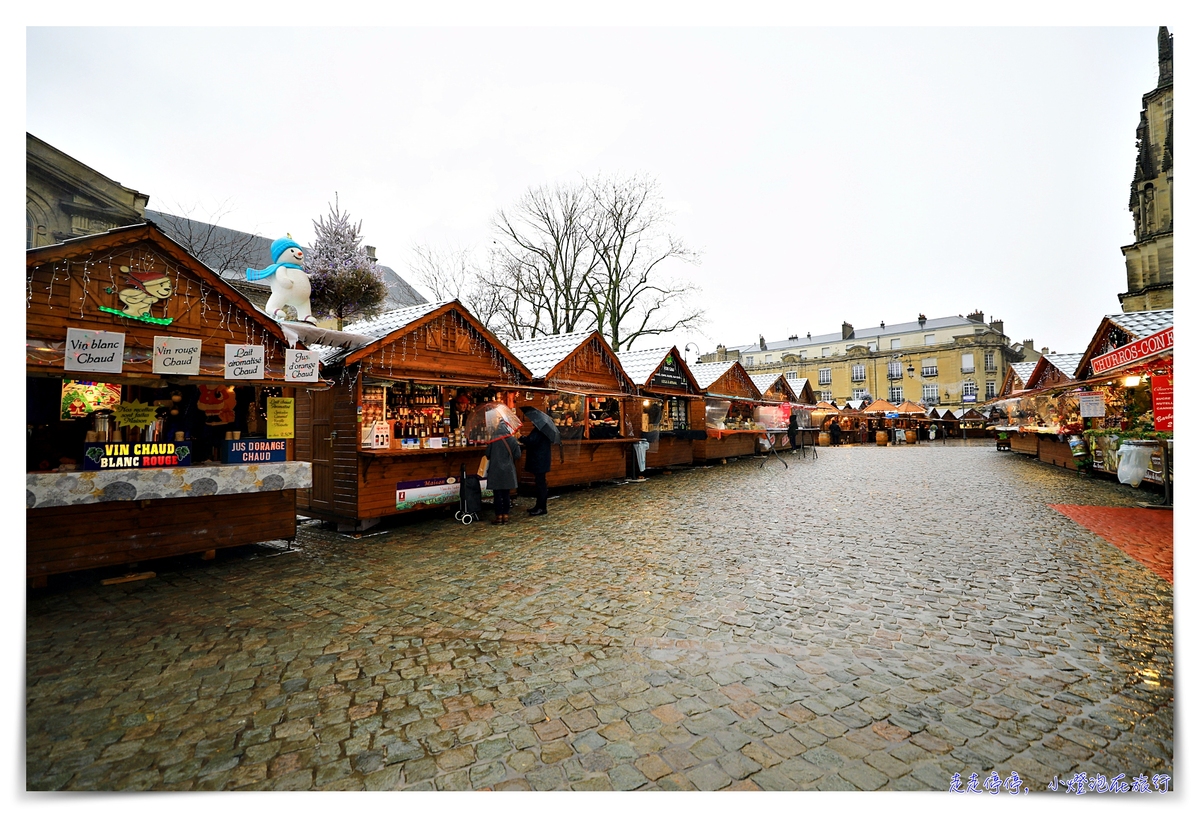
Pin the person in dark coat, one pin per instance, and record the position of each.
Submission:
(793, 429)
(835, 433)
(537, 462)
(502, 454)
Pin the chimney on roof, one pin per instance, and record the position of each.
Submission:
(996, 324)
(921, 319)
(762, 344)
(976, 316)
(1045, 350)
(808, 335)
(371, 254)
(793, 337)
(1028, 343)
(882, 325)
(720, 352)
(847, 331)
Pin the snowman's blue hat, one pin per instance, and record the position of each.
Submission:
(279, 245)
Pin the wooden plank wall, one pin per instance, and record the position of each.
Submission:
(1055, 452)
(737, 445)
(579, 463)
(72, 538)
(377, 477)
(671, 452)
(1024, 443)
(302, 444)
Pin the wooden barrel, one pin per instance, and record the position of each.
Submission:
(823, 439)
(910, 435)
(881, 438)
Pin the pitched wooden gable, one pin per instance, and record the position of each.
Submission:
(446, 342)
(735, 383)
(138, 281)
(590, 367)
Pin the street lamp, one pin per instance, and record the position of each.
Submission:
(911, 370)
(689, 345)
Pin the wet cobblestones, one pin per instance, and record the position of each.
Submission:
(874, 619)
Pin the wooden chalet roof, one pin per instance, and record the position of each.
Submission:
(642, 365)
(1120, 329)
(803, 389)
(1054, 369)
(437, 339)
(766, 382)
(573, 360)
(727, 379)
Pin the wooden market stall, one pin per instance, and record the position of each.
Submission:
(392, 435)
(158, 407)
(879, 422)
(1039, 418)
(1130, 365)
(592, 400)
(727, 412)
(775, 411)
(668, 391)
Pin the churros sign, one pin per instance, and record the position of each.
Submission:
(1144, 348)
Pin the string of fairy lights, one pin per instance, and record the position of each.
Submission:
(113, 269)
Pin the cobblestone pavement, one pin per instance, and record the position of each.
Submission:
(879, 618)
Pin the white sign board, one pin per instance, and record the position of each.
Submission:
(245, 362)
(1091, 404)
(179, 356)
(92, 351)
(301, 365)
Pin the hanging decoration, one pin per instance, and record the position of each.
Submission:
(290, 286)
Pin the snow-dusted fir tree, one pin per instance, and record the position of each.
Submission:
(346, 283)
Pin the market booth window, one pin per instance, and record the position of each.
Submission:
(150, 379)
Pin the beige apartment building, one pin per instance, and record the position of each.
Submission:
(953, 361)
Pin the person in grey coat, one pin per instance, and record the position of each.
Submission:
(502, 454)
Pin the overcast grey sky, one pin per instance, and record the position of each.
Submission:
(826, 174)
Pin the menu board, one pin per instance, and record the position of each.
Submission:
(281, 418)
(1162, 396)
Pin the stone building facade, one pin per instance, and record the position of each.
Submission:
(1150, 260)
(64, 198)
(953, 362)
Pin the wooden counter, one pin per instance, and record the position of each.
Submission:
(79, 520)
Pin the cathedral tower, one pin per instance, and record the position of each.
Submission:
(1150, 260)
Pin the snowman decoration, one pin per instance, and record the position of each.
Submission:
(289, 283)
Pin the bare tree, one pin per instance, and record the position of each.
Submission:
(450, 272)
(445, 272)
(543, 235)
(222, 249)
(629, 236)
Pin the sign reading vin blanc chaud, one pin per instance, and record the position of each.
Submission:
(94, 351)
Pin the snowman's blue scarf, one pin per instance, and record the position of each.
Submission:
(269, 270)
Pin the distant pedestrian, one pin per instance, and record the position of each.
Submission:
(502, 454)
(835, 433)
(793, 429)
(932, 432)
(537, 462)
